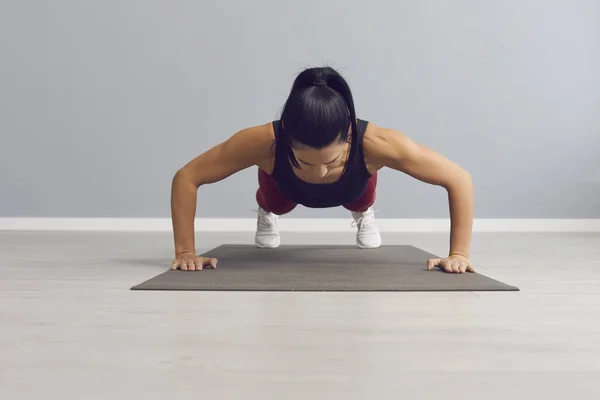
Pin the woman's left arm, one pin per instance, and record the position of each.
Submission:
(392, 149)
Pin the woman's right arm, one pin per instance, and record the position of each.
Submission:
(246, 148)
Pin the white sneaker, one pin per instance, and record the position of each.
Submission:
(266, 236)
(367, 236)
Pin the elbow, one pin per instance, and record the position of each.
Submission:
(462, 181)
(468, 178)
(463, 178)
(181, 177)
(178, 176)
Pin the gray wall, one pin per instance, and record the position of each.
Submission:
(101, 102)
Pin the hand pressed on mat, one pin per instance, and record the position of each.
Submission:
(455, 264)
(189, 261)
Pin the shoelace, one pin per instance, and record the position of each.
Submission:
(359, 221)
(272, 219)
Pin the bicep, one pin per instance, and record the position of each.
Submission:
(244, 149)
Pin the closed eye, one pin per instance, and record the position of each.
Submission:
(327, 163)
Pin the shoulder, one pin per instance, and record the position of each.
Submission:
(255, 136)
(248, 146)
(385, 146)
(255, 140)
(254, 143)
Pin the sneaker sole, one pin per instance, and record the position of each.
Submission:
(276, 245)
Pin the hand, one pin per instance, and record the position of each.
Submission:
(455, 264)
(189, 261)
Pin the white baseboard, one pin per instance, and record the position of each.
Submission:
(294, 225)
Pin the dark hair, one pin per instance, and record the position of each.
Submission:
(318, 112)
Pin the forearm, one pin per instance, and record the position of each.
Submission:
(183, 211)
(460, 197)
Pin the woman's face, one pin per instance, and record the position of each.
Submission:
(320, 162)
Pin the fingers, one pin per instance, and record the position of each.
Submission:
(442, 263)
(212, 262)
(450, 265)
(461, 267)
(194, 264)
(184, 265)
(202, 262)
(189, 265)
(465, 266)
(432, 263)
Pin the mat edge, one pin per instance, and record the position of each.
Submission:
(330, 290)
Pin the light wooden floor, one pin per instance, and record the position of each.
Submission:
(70, 326)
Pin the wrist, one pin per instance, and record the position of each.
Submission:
(179, 253)
(459, 253)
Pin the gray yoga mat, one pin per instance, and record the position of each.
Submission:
(321, 268)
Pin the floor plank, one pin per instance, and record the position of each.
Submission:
(70, 325)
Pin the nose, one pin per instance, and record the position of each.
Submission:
(320, 171)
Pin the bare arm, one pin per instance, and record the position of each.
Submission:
(395, 150)
(246, 148)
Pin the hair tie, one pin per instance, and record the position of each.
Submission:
(320, 82)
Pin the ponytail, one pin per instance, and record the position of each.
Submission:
(319, 111)
(339, 84)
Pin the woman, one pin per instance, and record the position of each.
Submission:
(319, 154)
